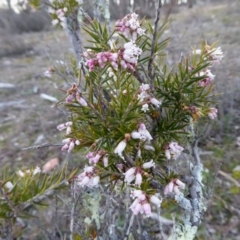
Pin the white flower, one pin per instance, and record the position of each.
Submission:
(197, 51)
(145, 135)
(149, 148)
(138, 180)
(55, 22)
(130, 175)
(148, 164)
(131, 52)
(36, 170)
(20, 173)
(216, 54)
(120, 148)
(9, 186)
(51, 10)
(135, 135)
(145, 108)
(105, 161)
(155, 200)
(155, 102)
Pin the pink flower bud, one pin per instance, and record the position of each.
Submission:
(71, 146)
(147, 209)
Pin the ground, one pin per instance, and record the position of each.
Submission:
(27, 119)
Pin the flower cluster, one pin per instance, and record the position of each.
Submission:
(126, 56)
(173, 187)
(209, 77)
(102, 59)
(173, 150)
(214, 55)
(129, 56)
(130, 26)
(142, 133)
(29, 172)
(141, 203)
(136, 173)
(67, 126)
(212, 113)
(145, 98)
(60, 14)
(94, 157)
(89, 177)
(69, 144)
(74, 94)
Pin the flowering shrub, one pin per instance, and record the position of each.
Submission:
(131, 117)
(136, 116)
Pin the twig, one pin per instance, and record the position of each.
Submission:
(139, 77)
(73, 191)
(127, 209)
(160, 223)
(73, 30)
(129, 227)
(154, 39)
(128, 159)
(44, 145)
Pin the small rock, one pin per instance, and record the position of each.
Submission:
(6, 85)
(47, 97)
(50, 165)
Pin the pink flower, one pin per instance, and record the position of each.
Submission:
(88, 177)
(212, 113)
(102, 59)
(95, 159)
(141, 203)
(82, 101)
(173, 150)
(66, 126)
(173, 187)
(69, 144)
(129, 26)
(135, 173)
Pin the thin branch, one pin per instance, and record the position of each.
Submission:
(44, 145)
(73, 32)
(150, 63)
(129, 227)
